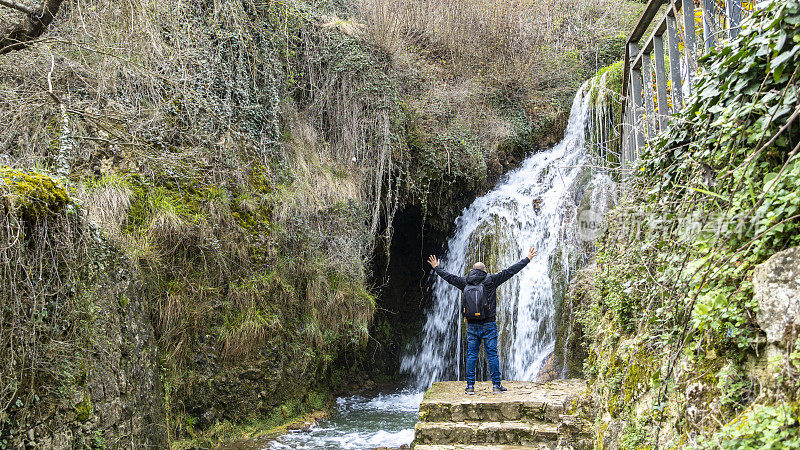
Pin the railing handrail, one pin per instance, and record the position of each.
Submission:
(649, 13)
(639, 100)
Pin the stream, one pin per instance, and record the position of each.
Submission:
(385, 419)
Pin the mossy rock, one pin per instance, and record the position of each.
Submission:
(32, 195)
(84, 410)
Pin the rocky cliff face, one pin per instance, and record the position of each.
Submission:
(776, 283)
(81, 365)
(274, 385)
(119, 399)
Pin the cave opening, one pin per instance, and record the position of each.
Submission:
(402, 280)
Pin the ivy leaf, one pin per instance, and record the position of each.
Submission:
(768, 179)
(776, 75)
(779, 43)
(783, 57)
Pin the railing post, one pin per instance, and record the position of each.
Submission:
(709, 24)
(648, 98)
(734, 13)
(631, 138)
(674, 62)
(636, 104)
(661, 81)
(626, 135)
(689, 40)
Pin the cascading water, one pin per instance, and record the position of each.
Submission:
(536, 205)
(540, 204)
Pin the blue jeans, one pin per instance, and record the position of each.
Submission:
(488, 333)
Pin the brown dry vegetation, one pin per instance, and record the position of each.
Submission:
(483, 81)
(533, 43)
(173, 114)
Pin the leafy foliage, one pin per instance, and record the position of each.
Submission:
(713, 196)
(760, 427)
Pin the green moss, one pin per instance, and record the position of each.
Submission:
(123, 301)
(34, 195)
(84, 409)
(98, 439)
(316, 400)
(637, 434)
(613, 80)
(262, 428)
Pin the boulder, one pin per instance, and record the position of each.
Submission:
(776, 283)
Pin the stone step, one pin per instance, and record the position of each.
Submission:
(541, 446)
(524, 401)
(509, 432)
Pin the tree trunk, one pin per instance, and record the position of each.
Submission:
(18, 36)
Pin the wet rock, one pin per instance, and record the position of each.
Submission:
(776, 283)
(548, 371)
(252, 374)
(209, 417)
(305, 423)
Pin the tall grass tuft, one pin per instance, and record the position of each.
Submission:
(107, 202)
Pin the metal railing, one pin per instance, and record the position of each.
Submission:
(647, 105)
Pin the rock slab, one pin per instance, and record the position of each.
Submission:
(776, 283)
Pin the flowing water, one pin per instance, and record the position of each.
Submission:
(540, 204)
(536, 205)
(384, 420)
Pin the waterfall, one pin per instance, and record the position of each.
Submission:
(538, 204)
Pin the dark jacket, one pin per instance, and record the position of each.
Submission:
(490, 283)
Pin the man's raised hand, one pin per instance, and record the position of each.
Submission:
(433, 261)
(532, 253)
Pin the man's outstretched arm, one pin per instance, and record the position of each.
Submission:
(459, 282)
(504, 275)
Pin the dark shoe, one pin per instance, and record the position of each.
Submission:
(470, 390)
(499, 389)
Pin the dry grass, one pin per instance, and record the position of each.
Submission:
(532, 42)
(107, 204)
(258, 318)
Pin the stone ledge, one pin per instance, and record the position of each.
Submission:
(518, 433)
(541, 446)
(527, 401)
(529, 415)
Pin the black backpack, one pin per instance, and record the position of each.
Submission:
(474, 304)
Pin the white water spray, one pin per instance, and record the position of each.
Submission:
(537, 205)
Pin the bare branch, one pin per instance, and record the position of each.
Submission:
(18, 6)
(19, 36)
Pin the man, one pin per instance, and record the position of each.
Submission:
(484, 329)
